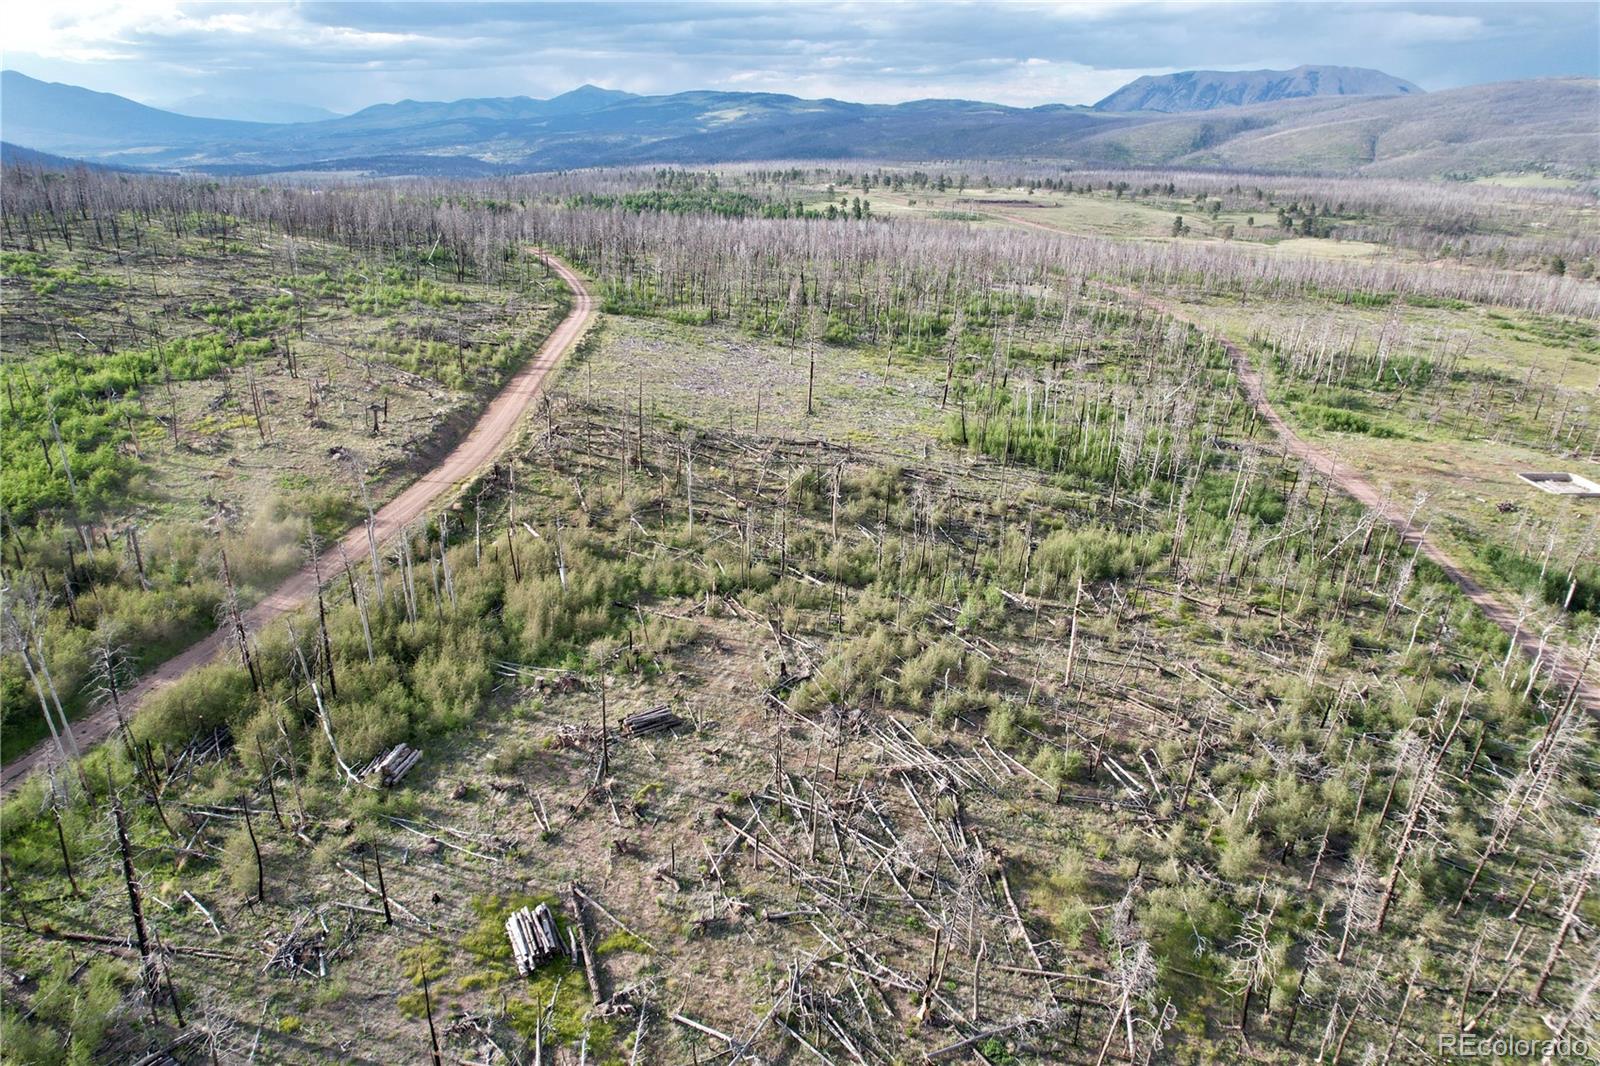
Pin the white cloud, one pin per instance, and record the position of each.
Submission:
(81, 32)
(346, 56)
(1416, 27)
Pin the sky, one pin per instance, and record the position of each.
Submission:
(284, 60)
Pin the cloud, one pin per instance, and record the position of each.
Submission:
(349, 55)
(1417, 27)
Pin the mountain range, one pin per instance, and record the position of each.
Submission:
(1206, 90)
(1310, 119)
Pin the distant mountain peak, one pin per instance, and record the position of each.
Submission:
(1205, 90)
(250, 109)
(589, 91)
(584, 98)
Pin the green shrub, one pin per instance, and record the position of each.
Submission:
(451, 679)
(367, 728)
(1073, 920)
(931, 667)
(1241, 850)
(1095, 554)
(71, 1014)
(214, 695)
(238, 863)
(1550, 583)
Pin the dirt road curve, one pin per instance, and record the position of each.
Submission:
(493, 430)
(1567, 674)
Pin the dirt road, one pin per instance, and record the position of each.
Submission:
(1567, 674)
(492, 431)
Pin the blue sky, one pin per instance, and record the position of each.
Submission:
(343, 56)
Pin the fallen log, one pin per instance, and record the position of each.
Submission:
(119, 942)
(585, 952)
(956, 1048)
(688, 1022)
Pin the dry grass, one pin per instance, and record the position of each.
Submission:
(718, 376)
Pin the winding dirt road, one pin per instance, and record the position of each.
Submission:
(482, 444)
(1569, 676)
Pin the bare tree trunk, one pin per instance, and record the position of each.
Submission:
(1569, 915)
(322, 711)
(433, 1035)
(383, 889)
(66, 858)
(44, 705)
(1399, 1020)
(135, 903)
(236, 620)
(1072, 651)
(322, 614)
(250, 828)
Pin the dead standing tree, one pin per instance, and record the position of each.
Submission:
(322, 710)
(1259, 958)
(135, 899)
(325, 645)
(1133, 973)
(358, 473)
(232, 616)
(1425, 811)
(29, 644)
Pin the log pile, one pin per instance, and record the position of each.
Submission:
(534, 938)
(393, 766)
(655, 720)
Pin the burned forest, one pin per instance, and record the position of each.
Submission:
(912, 615)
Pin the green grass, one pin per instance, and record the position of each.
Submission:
(157, 433)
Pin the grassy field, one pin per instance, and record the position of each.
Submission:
(721, 377)
(1529, 180)
(1507, 231)
(1103, 214)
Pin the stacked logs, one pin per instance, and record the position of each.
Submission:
(655, 720)
(534, 938)
(395, 765)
